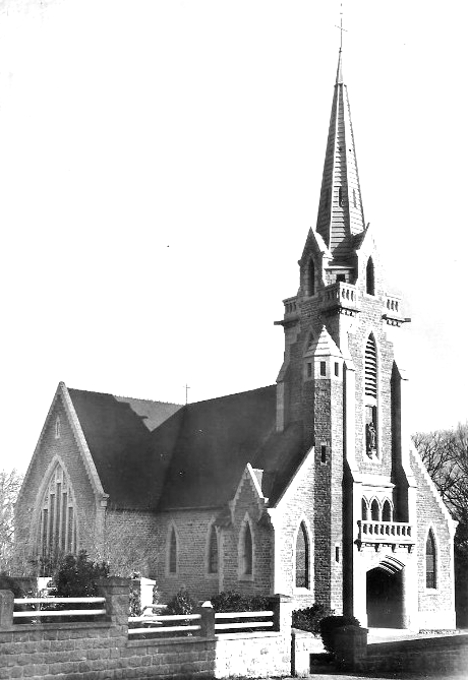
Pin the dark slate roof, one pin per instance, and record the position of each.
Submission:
(155, 455)
(131, 442)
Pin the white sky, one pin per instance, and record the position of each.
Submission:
(160, 165)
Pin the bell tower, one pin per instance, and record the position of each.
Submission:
(341, 379)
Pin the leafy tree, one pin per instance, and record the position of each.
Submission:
(10, 484)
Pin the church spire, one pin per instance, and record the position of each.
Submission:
(340, 213)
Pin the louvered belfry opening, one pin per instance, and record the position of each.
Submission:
(370, 391)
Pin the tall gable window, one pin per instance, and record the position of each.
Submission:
(370, 395)
(172, 556)
(246, 564)
(302, 558)
(370, 278)
(431, 578)
(213, 557)
(57, 427)
(58, 517)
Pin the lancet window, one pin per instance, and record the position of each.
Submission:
(213, 556)
(246, 551)
(431, 578)
(302, 557)
(173, 549)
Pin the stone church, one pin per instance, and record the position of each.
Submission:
(309, 487)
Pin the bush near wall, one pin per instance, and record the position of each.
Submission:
(309, 618)
(231, 601)
(330, 624)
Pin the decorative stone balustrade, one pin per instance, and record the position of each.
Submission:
(340, 296)
(290, 307)
(392, 310)
(394, 534)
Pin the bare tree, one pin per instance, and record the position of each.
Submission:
(10, 484)
(126, 549)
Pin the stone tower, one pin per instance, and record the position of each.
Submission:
(341, 379)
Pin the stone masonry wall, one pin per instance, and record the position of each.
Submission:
(27, 514)
(98, 650)
(437, 605)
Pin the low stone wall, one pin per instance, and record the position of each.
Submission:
(431, 655)
(102, 650)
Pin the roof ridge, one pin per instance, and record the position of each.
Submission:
(122, 396)
(232, 394)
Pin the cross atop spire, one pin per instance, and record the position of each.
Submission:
(339, 73)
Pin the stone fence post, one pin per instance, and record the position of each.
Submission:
(350, 647)
(116, 590)
(282, 613)
(207, 621)
(6, 608)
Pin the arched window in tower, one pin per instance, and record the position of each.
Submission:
(311, 278)
(370, 278)
(364, 509)
(213, 551)
(173, 550)
(302, 558)
(370, 395)
(247, 551)
(375, 510)
(431, 578)
(58, 516)
(387, 513)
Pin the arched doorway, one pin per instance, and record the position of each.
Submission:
(385, 595)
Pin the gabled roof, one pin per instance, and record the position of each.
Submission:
(340, 214)
(131, 442)
(156, 455)
(217, 439)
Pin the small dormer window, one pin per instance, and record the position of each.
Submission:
(310, 284)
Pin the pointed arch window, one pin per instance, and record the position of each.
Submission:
(213, 555)
(370, 277)
(173, 552)
(364, 509)
(370, 395)
(311, 278)
(57, 427)
(387, 514)
(375, 510)
(58, 516)
(247, 551)
(302, 557)
(431, 560)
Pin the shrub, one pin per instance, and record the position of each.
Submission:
(309, 619)
(134, 605)
(181, 603)
(76, 576)
(9, 583)
(231, 601)
(328, 626)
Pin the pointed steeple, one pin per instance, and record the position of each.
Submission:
(340, 213)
